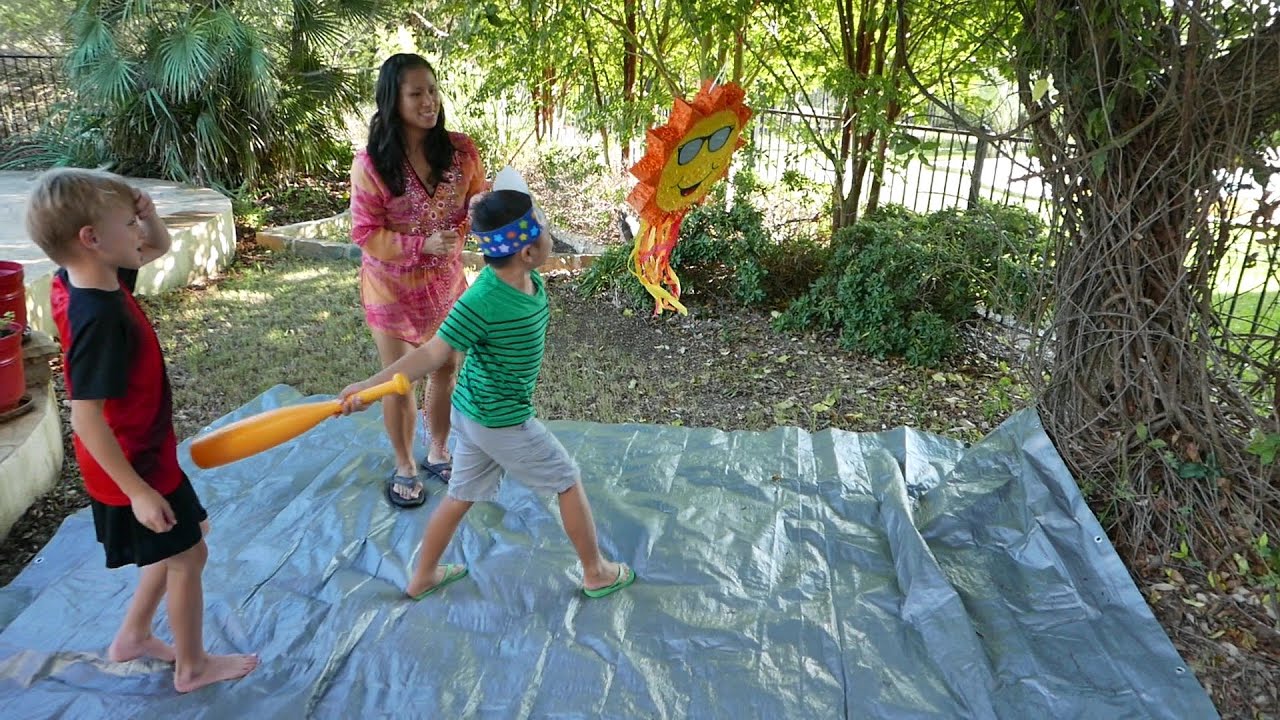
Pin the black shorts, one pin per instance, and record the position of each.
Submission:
(128, 542)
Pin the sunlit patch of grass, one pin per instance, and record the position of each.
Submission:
(280, 320)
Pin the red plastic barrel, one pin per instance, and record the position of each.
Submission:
(12, 376)
(13, 296)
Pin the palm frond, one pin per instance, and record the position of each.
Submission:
(252, 77)
(155, 107)
(355, 10)
(111, 81)
(183, 58)
(219, 92)
(315, 25)
(210, 137)
(93, 39)
(117, 11)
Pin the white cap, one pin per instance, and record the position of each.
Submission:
(508, 178)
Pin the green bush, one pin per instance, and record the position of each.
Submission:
(68, 138)
(899, 283)
(725, 254)
(495, 147)
(608, 274)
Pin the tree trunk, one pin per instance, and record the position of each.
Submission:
(596, 91)
(738, 50)
(894, 108)
(547, 106)
(630, 53)
(865, 126)
(1137, 398)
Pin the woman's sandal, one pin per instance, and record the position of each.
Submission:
(399, 500)
(441, 470)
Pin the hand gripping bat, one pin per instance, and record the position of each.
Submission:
(265, 430)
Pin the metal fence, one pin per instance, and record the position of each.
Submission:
(1247, 300)
(31, 86)
(927, 169)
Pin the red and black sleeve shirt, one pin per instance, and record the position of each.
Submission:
(110, 353)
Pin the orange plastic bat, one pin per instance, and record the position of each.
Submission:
(265, 430)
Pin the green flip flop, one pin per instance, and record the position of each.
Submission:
(626, 576)
(452, 573)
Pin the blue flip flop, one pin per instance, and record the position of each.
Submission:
(452, 573)
(626, 576)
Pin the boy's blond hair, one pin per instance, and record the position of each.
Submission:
(67, 199)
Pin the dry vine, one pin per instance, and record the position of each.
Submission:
(1153, 106)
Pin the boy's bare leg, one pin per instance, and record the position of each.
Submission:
(575, 512)
(440, 529)
(195, 667)
(134, 639)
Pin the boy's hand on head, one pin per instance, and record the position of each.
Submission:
(349, 398)
(153, 511)
(143, 206)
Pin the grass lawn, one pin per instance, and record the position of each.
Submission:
(271, 321)
(1247, 297)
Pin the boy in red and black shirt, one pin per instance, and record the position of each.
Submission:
(100, 230)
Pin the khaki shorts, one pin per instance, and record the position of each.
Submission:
(527, 452)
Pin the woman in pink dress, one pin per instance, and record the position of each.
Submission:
(410, 189)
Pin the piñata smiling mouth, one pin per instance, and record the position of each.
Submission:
(687, 191)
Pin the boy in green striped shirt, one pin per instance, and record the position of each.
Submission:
(500, 323)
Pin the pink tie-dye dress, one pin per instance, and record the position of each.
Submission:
(405, 293)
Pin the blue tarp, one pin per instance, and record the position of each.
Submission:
(783, 574)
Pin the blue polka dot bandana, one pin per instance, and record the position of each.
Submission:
(510, 238)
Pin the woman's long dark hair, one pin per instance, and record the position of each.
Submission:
(386, 134)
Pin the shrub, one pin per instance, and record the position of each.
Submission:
(609, 275)
(495, 147)
(68, 138)
(899, 283)
(725, 254)
(569, 166)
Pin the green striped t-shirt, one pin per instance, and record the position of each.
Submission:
(503, 332)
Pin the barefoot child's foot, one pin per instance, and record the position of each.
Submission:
(125, 649)
(608, 579)
(215, 668)
(443, 575)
